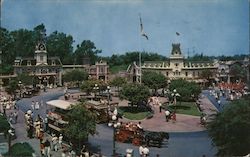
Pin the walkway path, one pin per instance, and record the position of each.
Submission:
(184, 123)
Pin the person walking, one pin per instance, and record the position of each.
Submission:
(160, 107)
(15, 116)
(174, 117)
(47, 148)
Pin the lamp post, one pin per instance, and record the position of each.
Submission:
(115, 124)
(10, 133)
(20, 88)
(108, 90)
(96, 88)
(174, 95)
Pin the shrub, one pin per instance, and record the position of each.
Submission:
(21, 149)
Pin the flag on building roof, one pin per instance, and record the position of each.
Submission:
(142, 31)
(177, 33)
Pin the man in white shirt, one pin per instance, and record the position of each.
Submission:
(167, 114)
(141, 150)
(145, 152)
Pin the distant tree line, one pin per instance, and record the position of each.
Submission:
(22, 43)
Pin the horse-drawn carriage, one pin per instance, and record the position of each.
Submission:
(132, 134)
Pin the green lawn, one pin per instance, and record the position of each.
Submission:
(136, 116)
(188, 108)
(133, 113)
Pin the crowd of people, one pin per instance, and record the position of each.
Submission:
(6, 103)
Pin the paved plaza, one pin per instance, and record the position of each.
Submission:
(186, 130)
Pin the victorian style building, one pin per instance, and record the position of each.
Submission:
(49, 70)
(45, 70)
(173, 68)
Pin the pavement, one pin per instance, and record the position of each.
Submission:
(184, 123)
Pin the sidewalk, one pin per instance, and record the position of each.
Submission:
(184, 123)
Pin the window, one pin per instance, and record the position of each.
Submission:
(193, 73)
(186, 73)
(176, 64)
(167, 73)
(176, 72)
(41, 58)
(101, 70)
(28, 63)
(53, 62)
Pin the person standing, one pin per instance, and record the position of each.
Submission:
(37, 106)
(42, 147)
(15, 116)
(46, 125)
(219, 102)
(47, 148)
(37, 125)
(33, 105)
(141, 150)
(55, 143)
(60, 138)
(167, 114)
(160, 107)
(145, 152)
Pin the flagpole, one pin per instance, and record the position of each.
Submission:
(140, 66)
(144, 35)
(140, 74)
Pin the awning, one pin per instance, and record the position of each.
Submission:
(62, 104)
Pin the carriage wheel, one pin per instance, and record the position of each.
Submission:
(136, 141)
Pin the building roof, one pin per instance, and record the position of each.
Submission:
(62, 104)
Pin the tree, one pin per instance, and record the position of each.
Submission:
(188, 91)
(154, 80)
(238, 72)
(88, 86)
(135, 93)
(206, 74)
(118, 82)
(6, 48)
(82, 122)
(21, 149)
(86, 49)
(12, 86)
(60, 44)
(5, 126)
(75, 76)
(229, 129)
(25, 79)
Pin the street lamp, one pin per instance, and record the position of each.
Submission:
(174, 95)
(20, 88)
(96, 88)
(108, 90)
(10, 134)
(115, 124)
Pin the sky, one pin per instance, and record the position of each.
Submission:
(211, 27)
